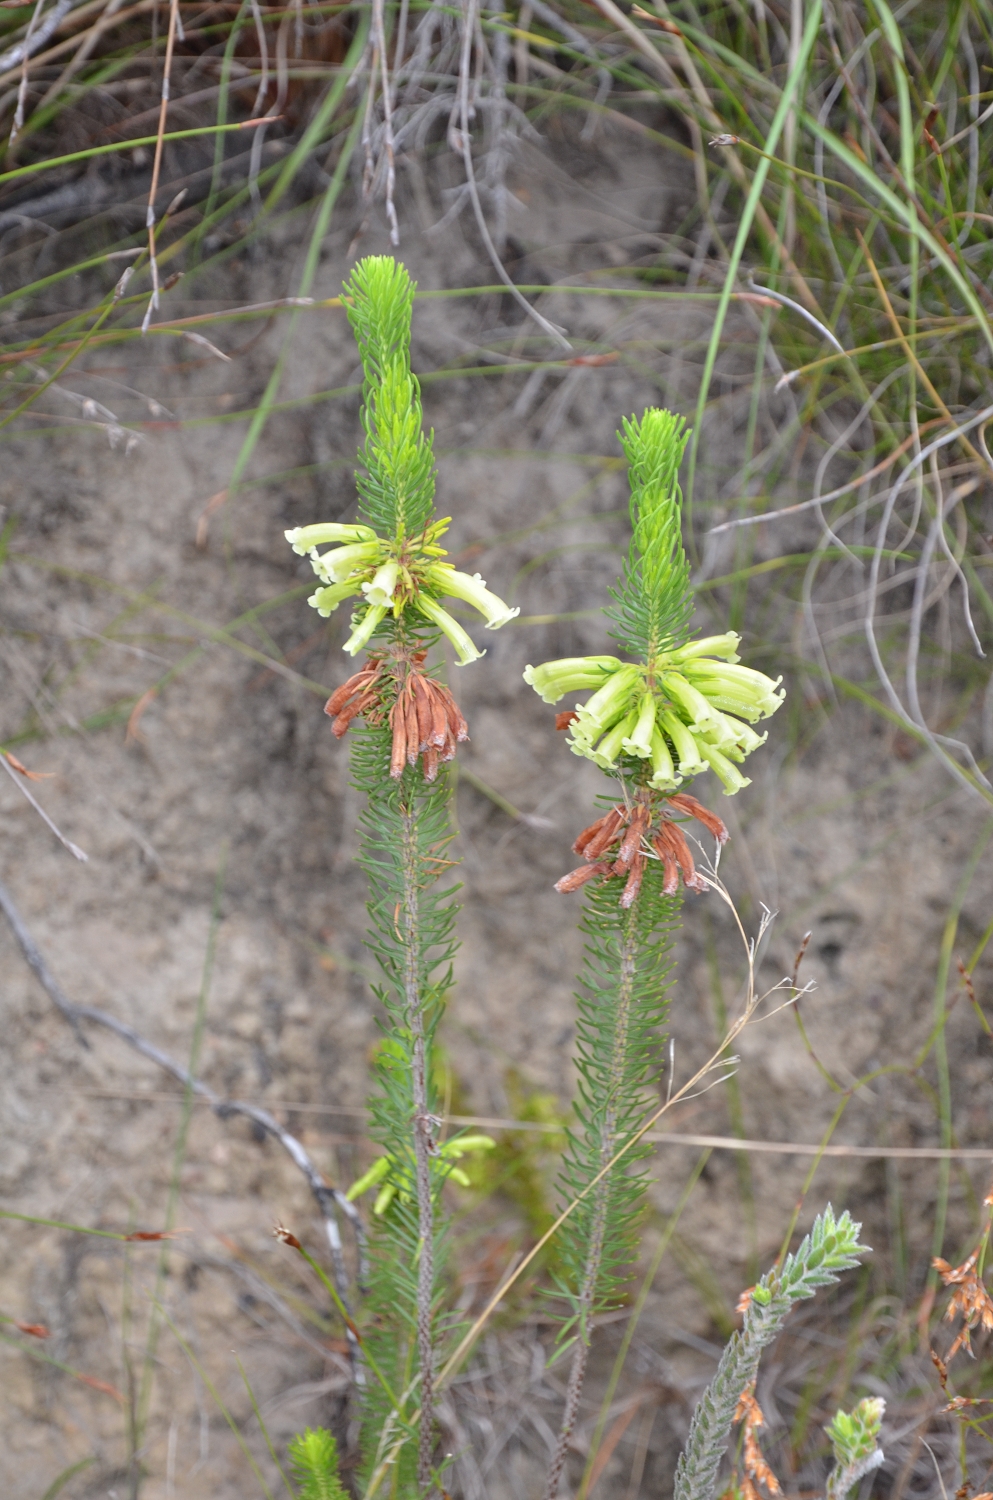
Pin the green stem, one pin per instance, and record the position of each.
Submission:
(607, 1146)
(423, 1136)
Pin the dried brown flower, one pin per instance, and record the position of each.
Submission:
(425, 719)
(576, 878)
(640, 833)
(756, 1468)
(970, 1300)
(286, 1236)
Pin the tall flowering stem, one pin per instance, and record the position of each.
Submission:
(674, 709)
(389, 568)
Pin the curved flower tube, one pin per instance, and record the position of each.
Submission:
(363, 630)
(571, 674)
(606, 753)
(639, 741)
(304, 539)
(729, 774)
(450, 627)
(757, 695)
(664, 776)
(327, 600)
(684, 743)
(473, 590)
(698, 713)
(383, 585)
(606, 706)
(725, 646)
(342, 562)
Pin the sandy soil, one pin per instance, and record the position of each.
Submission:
(234, 778)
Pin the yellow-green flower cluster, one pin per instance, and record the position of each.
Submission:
(690, 711)
(389, 575)
(385, 1175)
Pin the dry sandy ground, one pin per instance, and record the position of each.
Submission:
(846, 831)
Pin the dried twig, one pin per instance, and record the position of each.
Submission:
(175, 26)
(328, 1198)
(74, 849)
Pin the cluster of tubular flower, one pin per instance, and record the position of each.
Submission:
(624, 839)
(387, 576)
(390, 1180)
(689, 711)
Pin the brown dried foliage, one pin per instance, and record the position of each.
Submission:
(970, 1300)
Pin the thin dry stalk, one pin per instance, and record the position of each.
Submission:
(175, 28)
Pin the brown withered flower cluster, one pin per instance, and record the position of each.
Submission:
(425, 719)
(624, 839)
(970, 1300)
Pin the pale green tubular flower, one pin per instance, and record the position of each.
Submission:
(684, 743)
(325, 601)
(450, 627)
(639, 741)
(608, 704)
(606, 753)
(304, 539)
(389, 574)
(664, 778)
(730, 776)
(741, 689)
(572, 674)
(725, 646)
(342, 563)
(363, 631)
(688, 713)
(383, 585)
(447, 580)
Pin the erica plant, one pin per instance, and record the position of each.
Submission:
(389, 568)
(667, 709)
(675, 709)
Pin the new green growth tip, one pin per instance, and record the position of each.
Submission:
(683, 707)
(391, 561)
